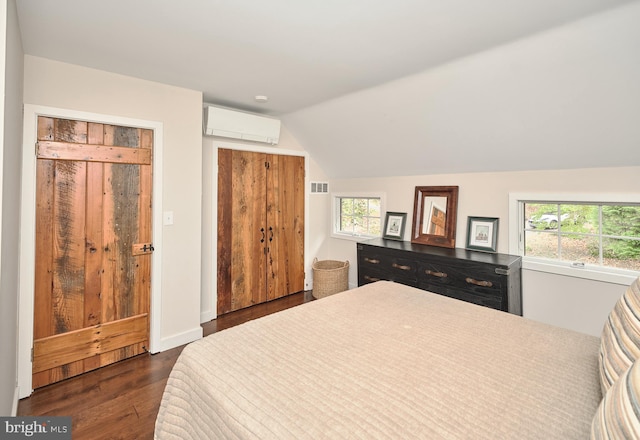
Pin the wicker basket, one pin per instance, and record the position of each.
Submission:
(329, 277)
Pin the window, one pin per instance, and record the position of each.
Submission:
(357, 216)
(596, 234)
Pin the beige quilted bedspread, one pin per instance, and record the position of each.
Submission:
(384, 361)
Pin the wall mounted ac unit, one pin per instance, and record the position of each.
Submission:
(224, 122)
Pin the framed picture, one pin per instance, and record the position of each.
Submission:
(482, 233)
(394, 225)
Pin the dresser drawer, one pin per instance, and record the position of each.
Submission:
(371, 276)
(460, 276)
(388, 266)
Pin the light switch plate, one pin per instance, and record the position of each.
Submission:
(168, 218)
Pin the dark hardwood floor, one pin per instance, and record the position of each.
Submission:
(121, 401)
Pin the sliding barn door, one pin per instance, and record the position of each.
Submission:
(93, 246)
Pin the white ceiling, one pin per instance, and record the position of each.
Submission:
(298, 53)
(360, 83)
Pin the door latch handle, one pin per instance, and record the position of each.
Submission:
(137, 249)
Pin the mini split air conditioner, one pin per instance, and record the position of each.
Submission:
(224, 122)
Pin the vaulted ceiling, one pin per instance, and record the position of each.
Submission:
(316, 60)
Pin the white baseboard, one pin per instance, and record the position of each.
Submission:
(207, 316)
(181, 339)
(14, 407)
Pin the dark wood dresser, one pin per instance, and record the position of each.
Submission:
(487, 279)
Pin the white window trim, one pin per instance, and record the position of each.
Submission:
(334, 214)
(587, 271)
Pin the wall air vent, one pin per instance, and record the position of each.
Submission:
(319, 187)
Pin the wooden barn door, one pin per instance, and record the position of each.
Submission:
(93, 246)
(285, 217)
(260, 227)
(242, 229)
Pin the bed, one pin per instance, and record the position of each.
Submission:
(387, 361)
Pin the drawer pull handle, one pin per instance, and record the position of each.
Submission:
(371, 260)
(479, 283)
(435, 274)
(401, 267)
(368, 278)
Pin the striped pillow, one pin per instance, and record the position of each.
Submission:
(620, 342)
(617, 415)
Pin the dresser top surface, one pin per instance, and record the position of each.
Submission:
(481, 257)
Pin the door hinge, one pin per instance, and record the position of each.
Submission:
(501, 271)
(31, 354)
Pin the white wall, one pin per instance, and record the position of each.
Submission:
(316, 220)
(55, 84)
(11, 135)
(577, 304)
(565, 98)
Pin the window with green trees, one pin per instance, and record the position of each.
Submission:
(358, 216)
(602, 234)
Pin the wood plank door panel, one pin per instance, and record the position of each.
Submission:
(285, 220)
(241, 229)
(260, 227)
(93, 206)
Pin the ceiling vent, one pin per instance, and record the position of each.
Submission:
(235, 124)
